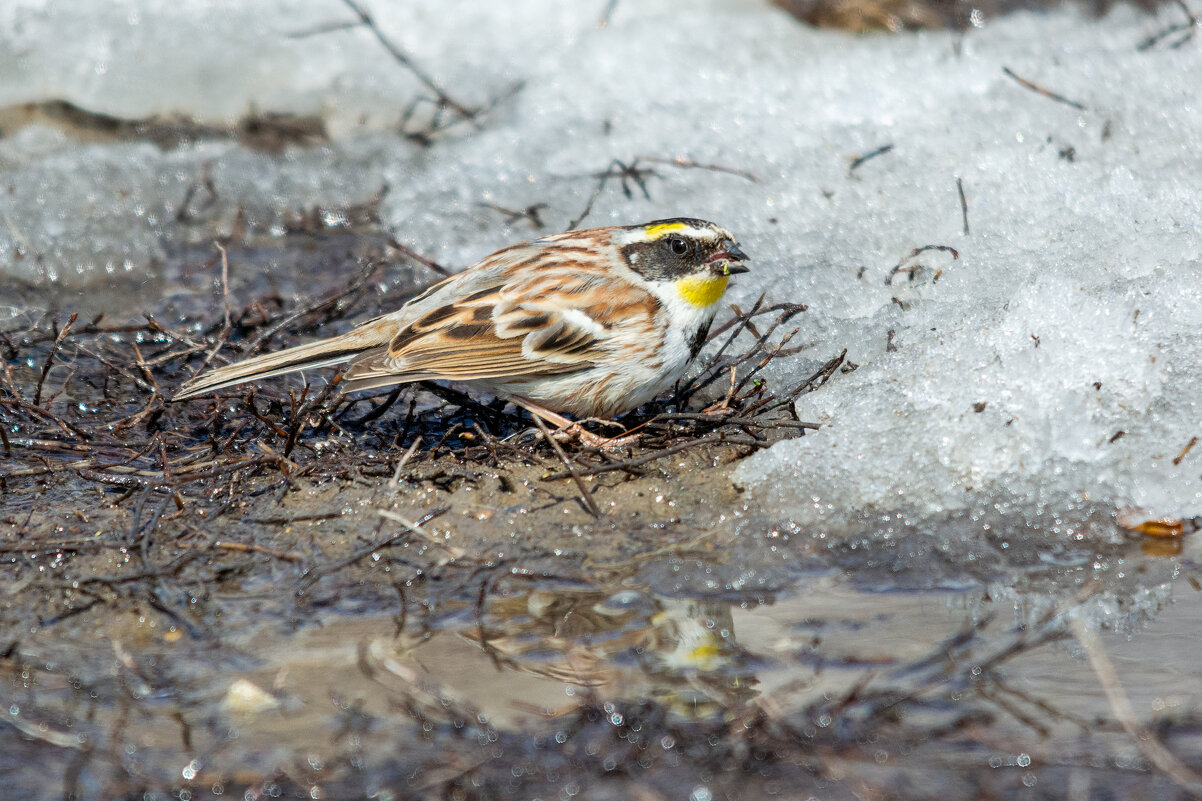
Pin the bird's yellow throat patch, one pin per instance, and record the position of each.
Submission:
(702, 290)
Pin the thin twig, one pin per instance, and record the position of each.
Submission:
(817, 380)
(717, 368)
(378, 411)
(395, 481)
(653, 456)
(530, 213)
(44, 414)
(225, 283)
(1190, 25)
(367, 550)
(1037, 89)
(607, 13)
(58, 341)
(407, 62)
(689, 164)
(1189, 446)
(572, 471)
(858, 161)
(627, 173)
(455, 551)
(916, 252)
(419, 258)
(736, 421)
(963, 204)
(244, 548)
(357, 283)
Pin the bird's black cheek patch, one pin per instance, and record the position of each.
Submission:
(651, 260)
(656, 261)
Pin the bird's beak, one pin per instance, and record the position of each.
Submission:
(728, 260)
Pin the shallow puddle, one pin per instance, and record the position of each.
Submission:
(528, 675)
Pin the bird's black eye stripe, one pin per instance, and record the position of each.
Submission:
(679, 245)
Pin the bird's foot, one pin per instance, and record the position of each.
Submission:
(577, 432)
(571, 431)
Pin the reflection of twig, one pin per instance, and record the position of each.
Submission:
(39, 730)
(404, 60)
(1039, 90)
(455, 551)
(1000, 692)
(481, 633)
(702, 543)
(1149, 745)
(367, 550)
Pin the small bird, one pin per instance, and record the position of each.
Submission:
(592, 323)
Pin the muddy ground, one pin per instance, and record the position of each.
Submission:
(286, 593)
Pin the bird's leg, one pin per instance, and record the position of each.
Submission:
(569, 429)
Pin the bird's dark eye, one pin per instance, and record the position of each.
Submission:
(680, 246)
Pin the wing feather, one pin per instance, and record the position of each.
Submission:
(530, 328)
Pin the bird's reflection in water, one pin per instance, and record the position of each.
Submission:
(679, 652)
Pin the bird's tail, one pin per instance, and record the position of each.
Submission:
(325, 353)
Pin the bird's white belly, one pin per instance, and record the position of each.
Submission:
(621, 384)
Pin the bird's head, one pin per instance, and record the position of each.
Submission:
(695, 256)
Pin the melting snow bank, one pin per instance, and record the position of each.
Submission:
(1053, 369)
(1064, 395)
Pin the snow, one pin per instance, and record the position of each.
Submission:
(1053, 366)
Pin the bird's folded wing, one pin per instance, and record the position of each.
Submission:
(538, 327)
